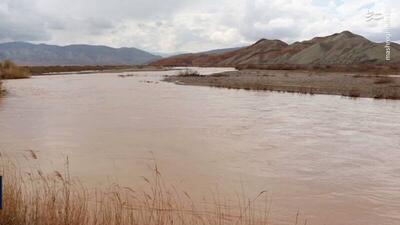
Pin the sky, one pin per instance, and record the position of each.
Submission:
(169, 26)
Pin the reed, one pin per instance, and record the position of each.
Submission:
(9, 70)
(35, 198)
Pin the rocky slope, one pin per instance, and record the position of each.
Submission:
(341, 48)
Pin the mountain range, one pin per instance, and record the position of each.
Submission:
(46, 55)
(340, 48)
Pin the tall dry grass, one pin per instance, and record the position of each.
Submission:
(9, 70)
(35, 198)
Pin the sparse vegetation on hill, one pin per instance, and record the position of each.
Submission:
(9, 70)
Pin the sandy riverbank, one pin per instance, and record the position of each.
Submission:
(332, 83)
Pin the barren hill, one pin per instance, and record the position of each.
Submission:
(338, 49)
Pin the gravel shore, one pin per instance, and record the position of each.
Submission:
(331, 83)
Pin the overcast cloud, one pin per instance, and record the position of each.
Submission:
(186, 25)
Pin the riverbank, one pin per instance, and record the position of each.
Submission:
(63, 70)
(307, 82)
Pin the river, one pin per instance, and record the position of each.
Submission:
(335, 160)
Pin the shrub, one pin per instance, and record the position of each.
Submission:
(189, 72)
(9, 70)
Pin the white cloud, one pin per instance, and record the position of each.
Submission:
(185, 25)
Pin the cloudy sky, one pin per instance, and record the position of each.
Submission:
(188, 25)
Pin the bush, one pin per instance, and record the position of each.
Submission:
(189, 72)
(9, 70)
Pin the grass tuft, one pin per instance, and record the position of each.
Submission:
(36, 198)
(9, 70)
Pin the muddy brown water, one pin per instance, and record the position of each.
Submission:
(335, 160)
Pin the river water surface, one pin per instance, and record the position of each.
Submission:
(335, 160)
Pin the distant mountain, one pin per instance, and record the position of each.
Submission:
(340, 48)
(42, 54)
(163, 54)
(210, 52)
(207, 58)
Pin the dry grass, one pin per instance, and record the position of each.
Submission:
(9, 70)
(39, 199)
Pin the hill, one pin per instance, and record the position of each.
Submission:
(343, 48)
(208, 58)
(47, 55)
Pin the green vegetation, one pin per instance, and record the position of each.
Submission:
(9, 70)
